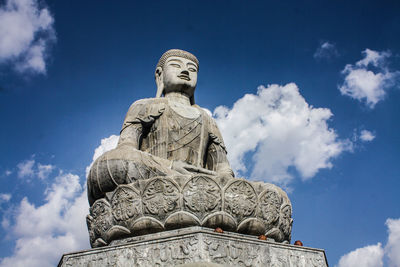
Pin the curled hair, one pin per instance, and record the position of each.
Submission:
(177, 53)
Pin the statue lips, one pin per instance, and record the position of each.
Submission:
(184, 77)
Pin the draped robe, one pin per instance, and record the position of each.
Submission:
(152, 137)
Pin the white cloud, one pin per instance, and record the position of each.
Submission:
(43, 233)
(374, 58)
(366, 136)
(25, 168)
(282, 130)
(369, 256)
(29, 168)
(44, 170)
(26, 30)
(5, 222)
(366, 84)
(7, 172)
(393, 245)
(374, 255)
(34, 59)
(5, 197)
(106, 144)
(58, 226)
(326, 50)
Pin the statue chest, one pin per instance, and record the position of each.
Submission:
(177, 137)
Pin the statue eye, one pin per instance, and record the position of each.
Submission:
(192, 69)
(175, 65)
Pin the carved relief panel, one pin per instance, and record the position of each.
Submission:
(269, 207)
(99, 220)
(201, 196)
(240, 200)
(126, 204)
(160, 198)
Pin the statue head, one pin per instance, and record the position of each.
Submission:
(176, 71)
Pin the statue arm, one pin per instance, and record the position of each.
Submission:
(128, 162)
(216, 152)
(141, 115)
(131, 135)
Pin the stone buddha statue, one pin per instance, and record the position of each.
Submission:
(163, 136)
(170, 170)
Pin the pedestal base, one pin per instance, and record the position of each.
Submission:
(196, 247)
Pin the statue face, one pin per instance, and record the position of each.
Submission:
(179, 75)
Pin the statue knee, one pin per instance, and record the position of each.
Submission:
(106, 173)
(122, 165)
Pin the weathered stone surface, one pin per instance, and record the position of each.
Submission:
(161, 203)
(170, 170)
(195, 247)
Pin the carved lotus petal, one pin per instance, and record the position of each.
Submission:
(160, 198)
(126, 204)
(201, 196)
(270, 202)
(240, 199)
(100, 220)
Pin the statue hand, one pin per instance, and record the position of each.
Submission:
(185, 168)
(179, 166)
(226, 173)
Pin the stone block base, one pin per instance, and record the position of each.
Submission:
(195, 247)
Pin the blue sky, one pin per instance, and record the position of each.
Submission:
(310, 87)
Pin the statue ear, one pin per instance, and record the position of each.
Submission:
(159, 82)
(158, 71)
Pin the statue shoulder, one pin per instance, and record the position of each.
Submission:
(144, 111)
(204, 112)
(147, 105)
(207, 115)
(147, 102)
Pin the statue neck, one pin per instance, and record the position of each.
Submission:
(178, 97)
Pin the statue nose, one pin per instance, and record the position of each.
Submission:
(185, 72)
